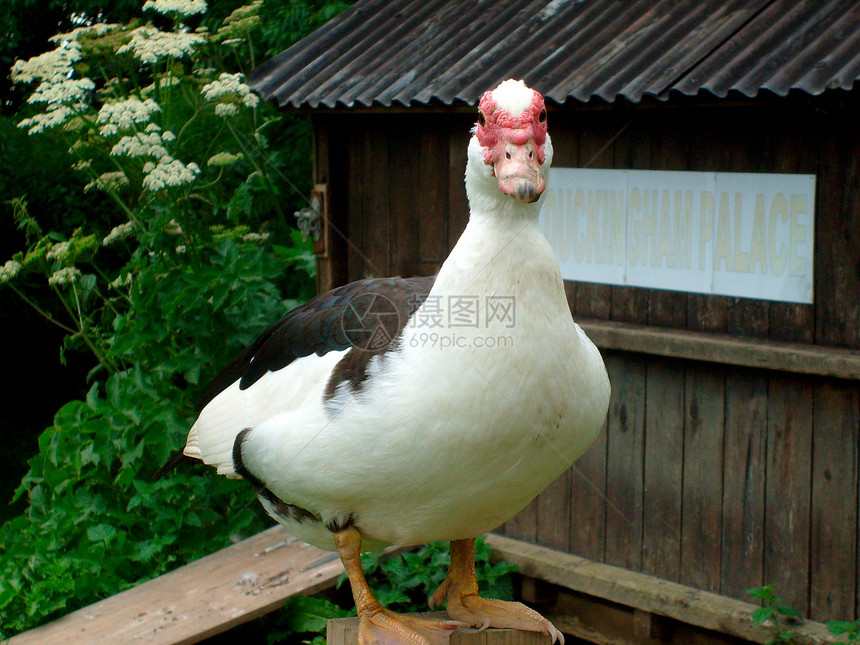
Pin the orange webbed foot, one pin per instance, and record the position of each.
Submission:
(486, 612)
(465, 605)
(386, 627)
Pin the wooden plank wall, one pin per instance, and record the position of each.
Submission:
(717, 477)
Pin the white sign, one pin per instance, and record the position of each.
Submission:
(733, 234)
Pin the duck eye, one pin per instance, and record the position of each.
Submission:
(542, 116)
(482, 120)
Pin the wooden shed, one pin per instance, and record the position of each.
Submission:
(730, 455)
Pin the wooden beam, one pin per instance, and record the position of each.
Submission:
(721, 348)
(646, 593)
(206, 597)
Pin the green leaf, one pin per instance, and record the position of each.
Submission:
(791, 612)
(762, 614)
(145, 551)
(101, 533)
(761, 593)
(840, 627)
(389, 596)
(310, 613)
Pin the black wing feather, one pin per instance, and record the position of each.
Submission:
(325, 323)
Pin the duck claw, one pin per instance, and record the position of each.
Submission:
(484, 612)
(386, 627)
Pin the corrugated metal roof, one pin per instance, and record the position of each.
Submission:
(387, 52)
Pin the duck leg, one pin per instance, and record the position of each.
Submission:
(464, 604)
(377, 625)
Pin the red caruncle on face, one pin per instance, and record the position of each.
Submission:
(496, 126)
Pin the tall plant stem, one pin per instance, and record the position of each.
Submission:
(260, 169)
(100, 356)
(46, 315)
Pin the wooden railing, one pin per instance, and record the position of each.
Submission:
(709, 347)
(206, 597)
(251, 578)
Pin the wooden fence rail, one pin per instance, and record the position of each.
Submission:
(206, 597)
(254, 577)
(799, 358)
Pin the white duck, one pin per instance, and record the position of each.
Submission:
(486, 392)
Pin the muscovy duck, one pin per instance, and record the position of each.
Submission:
(400, 411)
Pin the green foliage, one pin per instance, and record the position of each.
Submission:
(782, 617)
(186, 255)
(286, 22)
(95, 523)
(851, 629)
(302, 618)
(403, 583)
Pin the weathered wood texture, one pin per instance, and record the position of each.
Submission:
(636, 608)
(204, 598)
(344, 631)
(730, 455)
(734, 478)
(721, 348)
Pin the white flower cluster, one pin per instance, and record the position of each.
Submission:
(123, 280)
(56, 115)
(10, 270)
(168, 80)
(164, 171)
(144, 144)
(59, 251)
(233, 88)
(98, 29)
(226, 109)
(168, 172)
(62, 93)
(180, 7)
(249, 237)
(230, 84)
(66, 275)
(109, 182)
(123, 115)
(149, 45)
(52, 66)
(117, 233)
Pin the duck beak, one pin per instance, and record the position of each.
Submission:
(518, 171)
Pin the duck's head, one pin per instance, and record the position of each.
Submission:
(510, 150)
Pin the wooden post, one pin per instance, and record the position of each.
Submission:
(344, 631)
